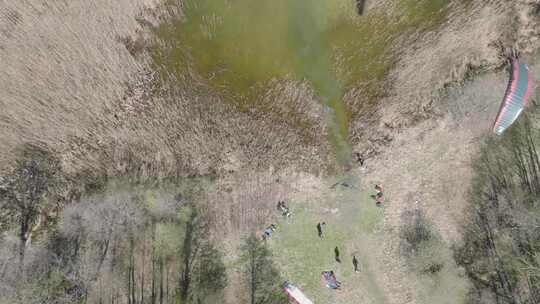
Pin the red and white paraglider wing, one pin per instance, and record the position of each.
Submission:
(517, 95)
(296, 294)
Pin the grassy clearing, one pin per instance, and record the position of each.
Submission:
(353, 223)
(302, 255)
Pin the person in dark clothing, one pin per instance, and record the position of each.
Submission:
(360, 6)
(319, 230)
(355, 263)
(268, 231)
(336, 252)
(359, 158)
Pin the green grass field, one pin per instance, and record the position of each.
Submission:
(301, 255)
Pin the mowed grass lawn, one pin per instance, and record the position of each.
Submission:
(352, 224)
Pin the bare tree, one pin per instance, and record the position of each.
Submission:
(24, 189)
(501, 240)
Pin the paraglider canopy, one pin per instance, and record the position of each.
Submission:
(516, 97)
(295, 294)
(330, 279)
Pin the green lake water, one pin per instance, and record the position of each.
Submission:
(237, 46)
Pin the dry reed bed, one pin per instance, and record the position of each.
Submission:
(77, 81)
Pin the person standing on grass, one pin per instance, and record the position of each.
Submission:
(360, 6)
(355, 263)
(319, 229)
(336, 253)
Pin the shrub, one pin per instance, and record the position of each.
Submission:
(415, 231)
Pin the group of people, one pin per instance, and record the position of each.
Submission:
(329, 276)
(379, 197)
(285, 212)
(354, 259)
